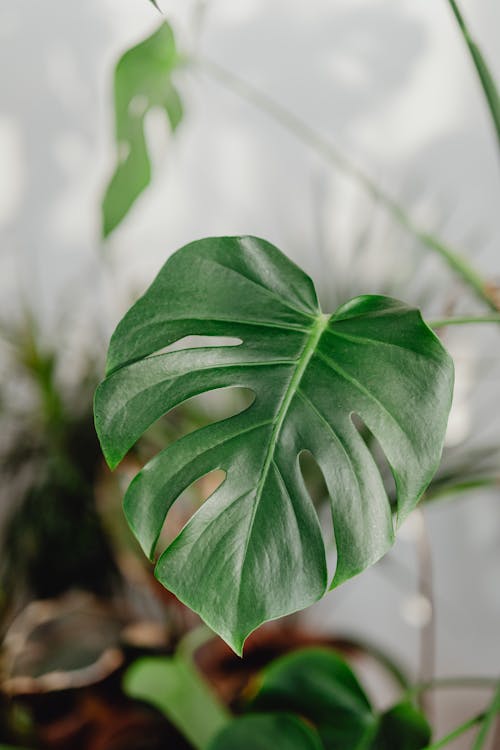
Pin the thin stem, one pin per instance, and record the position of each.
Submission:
(452, 683)
(460, 487)
(485, 76)
(316, 141)
(489, 720)
(456, 733)
(465, 320)
(385, 661)
(428, 629)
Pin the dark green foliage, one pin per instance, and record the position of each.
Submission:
(267, 732)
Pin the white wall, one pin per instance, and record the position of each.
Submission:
(388, 81)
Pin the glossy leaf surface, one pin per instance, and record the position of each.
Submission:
(254, 551)
(267, 732)
(143, 81)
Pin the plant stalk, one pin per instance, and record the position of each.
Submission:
(485, 76)
(456, 733)
(452, 683)
(461, 487)
(489, 720)
(316, 141)
(465, 320)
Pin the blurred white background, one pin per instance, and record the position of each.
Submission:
(390, 83)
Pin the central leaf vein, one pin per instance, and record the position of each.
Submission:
(310, 346)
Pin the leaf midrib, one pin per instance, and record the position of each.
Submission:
(319, 325)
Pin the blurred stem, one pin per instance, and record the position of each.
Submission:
(489, 720)
(316, 141)
(428, 629)
(464, 320)
(452, 683)
(485, 76)
(456, 733)
(460, 487)
(383, 659)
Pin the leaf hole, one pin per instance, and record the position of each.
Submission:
(199, 342)
(313, 478)
(317, 490)
(123, 151)
(187, 504)
(378, 456)
(138, 105)
(193, 414)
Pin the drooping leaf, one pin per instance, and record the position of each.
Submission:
(267, 732)
(254, 550)
(319, 685)
(143, 81)
(174, 687)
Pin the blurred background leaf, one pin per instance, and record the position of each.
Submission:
(143, 82)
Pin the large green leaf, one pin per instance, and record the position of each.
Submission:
(254, 550)
(267, 732)
(319, 685)
(143, 81)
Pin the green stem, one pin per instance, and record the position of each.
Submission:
(316, 141)
(456, 733)
(385, 661)
(486, 78)
(460, 487)
(452, 683)
(489, 720)
(464, 320)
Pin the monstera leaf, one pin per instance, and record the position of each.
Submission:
(254, 550)
(319, 685)
(143, 81)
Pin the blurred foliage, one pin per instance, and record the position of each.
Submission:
(52, 537)
(319, 685)
(143, 82)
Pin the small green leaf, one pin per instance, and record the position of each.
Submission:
(319, 685)
(254, 551)
(173, 686)
(143, 81)
(267, 732)
(402, 728)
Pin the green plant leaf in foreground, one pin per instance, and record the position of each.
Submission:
(267, 732)
(254, 550)
(143, 81)
(319, 685)
(173, 685)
